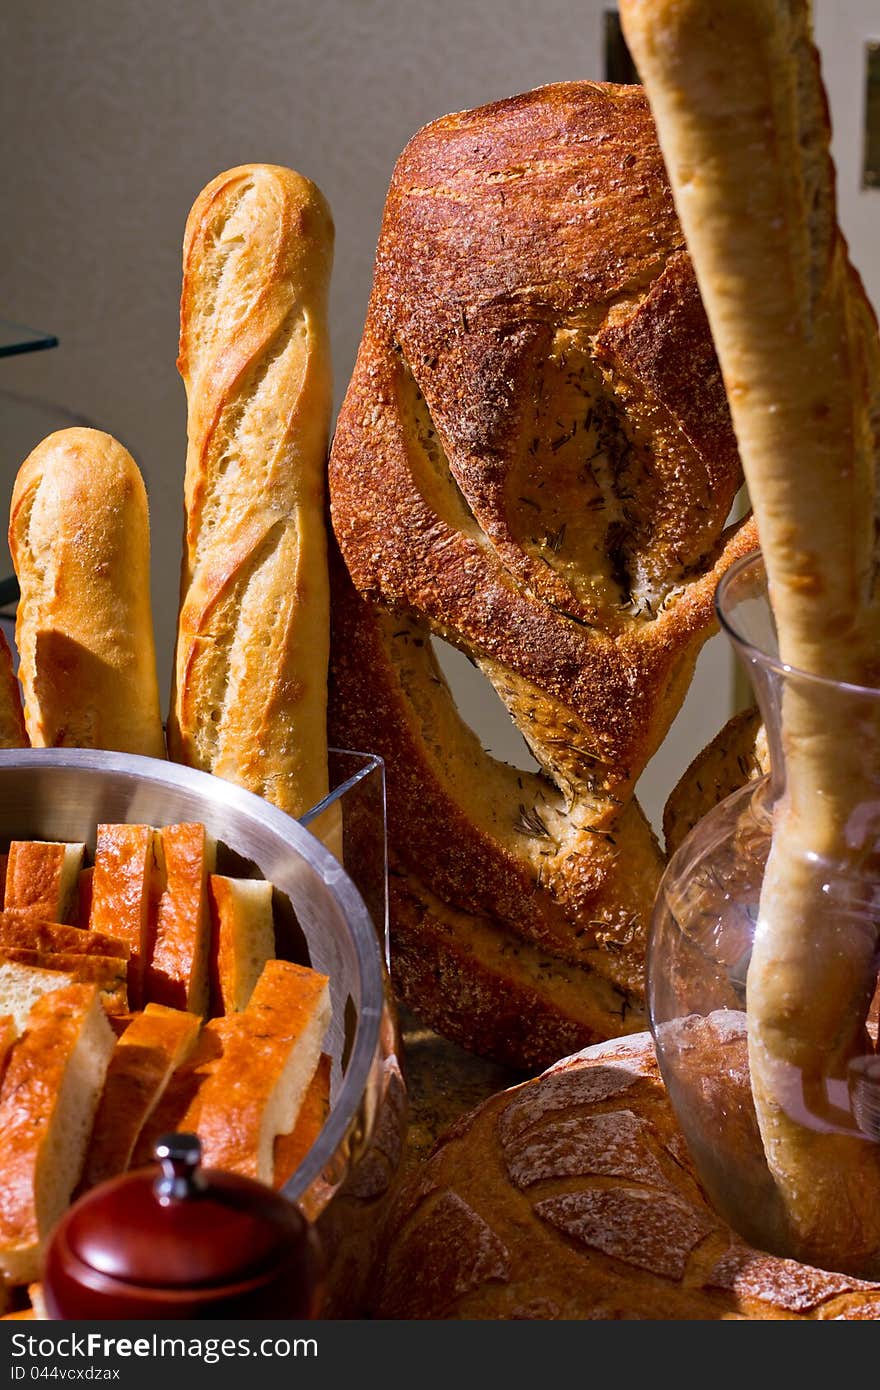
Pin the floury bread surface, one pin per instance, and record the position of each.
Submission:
(80, 543)
(534, 461)
(250, 687)
(574, 1196)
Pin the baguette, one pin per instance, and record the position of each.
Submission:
(741, 115)
(250, 689)
(79, 537)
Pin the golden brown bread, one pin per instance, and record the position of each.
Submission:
(42, 877)
(290, 1149)
(269, 1053)
(242, 938)
(153, 1045)
(120, 895)
(800, 354)
(107, 973)
(574, 1196)
(47, 1104)
(23, 929)
(249, 699)
(534, 461)
(176, 972)
(80, 544)
(12, 730)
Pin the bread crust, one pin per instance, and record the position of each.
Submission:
(534, 461)
(573, 1196)
(249, 697)
(80, 544)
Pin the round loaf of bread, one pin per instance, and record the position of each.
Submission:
(574, 1196)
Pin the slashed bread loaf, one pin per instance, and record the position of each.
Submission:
(574, 1196)
(250, 683)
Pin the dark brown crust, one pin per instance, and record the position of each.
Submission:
(533, 309)
(574, 1196)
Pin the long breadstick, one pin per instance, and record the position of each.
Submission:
(250, 691)
(737, 96)
(80, 542)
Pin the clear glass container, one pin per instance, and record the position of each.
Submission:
(762, 970)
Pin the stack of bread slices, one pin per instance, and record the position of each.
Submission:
(138, 996)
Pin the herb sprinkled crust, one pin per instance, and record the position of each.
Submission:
(534, 461)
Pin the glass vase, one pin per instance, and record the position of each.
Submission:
(797, 1174)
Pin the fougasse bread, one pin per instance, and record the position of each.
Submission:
(79, 538)
(250, 685)
(108, 973)
(534, 462)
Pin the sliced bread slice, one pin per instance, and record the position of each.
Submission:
(269, 1055)
(242, 939)
(43, 875)
(120, 894)
(177, 965)
(150, 1050)
(47, 1105)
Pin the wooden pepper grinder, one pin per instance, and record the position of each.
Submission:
(182, 1243)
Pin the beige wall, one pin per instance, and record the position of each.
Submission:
(116, 113)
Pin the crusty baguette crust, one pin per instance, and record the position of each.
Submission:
(42, 876)
(13, 733)
(177, 959)
(574, 1196)
(47, 1104)
(533, 461)
(249, 699)
(153, 1045)
(80, 544)
(120, 895)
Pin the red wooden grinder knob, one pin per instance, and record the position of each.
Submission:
(182, 1243)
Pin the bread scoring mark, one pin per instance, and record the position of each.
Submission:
(641, 1228)
(248, 428)
(616, 1144)
(441, 1232)
(562, 1091)
(798, 1288)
